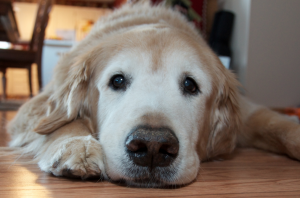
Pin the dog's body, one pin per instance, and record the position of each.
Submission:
(143, 99)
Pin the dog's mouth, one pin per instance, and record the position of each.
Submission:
(158, 177)
(143, 183)
(147, 183)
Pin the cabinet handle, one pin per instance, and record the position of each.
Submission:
(60, 53)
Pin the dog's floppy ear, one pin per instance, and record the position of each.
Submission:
(225, 116)
(67, 94)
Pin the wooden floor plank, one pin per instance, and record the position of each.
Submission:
(244, 173)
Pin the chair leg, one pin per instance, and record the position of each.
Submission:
(39, 70)
(4, 83)
(29, 80)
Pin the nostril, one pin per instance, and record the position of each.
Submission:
(137, 147)
(142, 148)
(167, 149)
(152, 147)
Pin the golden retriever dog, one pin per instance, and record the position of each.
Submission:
(143, 100)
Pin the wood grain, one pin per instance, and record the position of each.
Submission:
(244, 173)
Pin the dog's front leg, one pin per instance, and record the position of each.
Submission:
(268, 130)
(72, 151)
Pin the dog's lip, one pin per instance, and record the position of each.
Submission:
(145, 182)
(149, 183)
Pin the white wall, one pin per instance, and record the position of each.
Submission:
(240, 37)
(266, 49)
(273, 74)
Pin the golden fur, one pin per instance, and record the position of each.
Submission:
(66, 111)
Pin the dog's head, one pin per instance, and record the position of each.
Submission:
(158, 99)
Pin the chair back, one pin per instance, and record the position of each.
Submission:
(41, 23)
(37, 40)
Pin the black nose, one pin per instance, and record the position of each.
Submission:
(152, 147)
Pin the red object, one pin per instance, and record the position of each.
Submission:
(119, 3)
(198, 6)
(292, 111)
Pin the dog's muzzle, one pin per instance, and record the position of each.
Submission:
(152, 147)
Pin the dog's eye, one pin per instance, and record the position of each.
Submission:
(190, 86)
(118, 82)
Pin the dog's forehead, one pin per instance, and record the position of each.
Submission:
(157, 51)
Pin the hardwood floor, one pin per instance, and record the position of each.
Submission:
(245, 173)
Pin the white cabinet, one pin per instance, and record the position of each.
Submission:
(52, 51)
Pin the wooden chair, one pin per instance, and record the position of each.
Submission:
(24, 59)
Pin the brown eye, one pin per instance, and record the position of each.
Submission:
(190, 86)
(118, 82)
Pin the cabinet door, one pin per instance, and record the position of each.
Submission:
(51, 56)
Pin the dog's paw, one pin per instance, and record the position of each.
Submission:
(73, 157)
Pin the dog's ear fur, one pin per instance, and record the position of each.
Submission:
(68, 94)
(225, 116)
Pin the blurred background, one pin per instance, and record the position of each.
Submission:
(257, 39)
